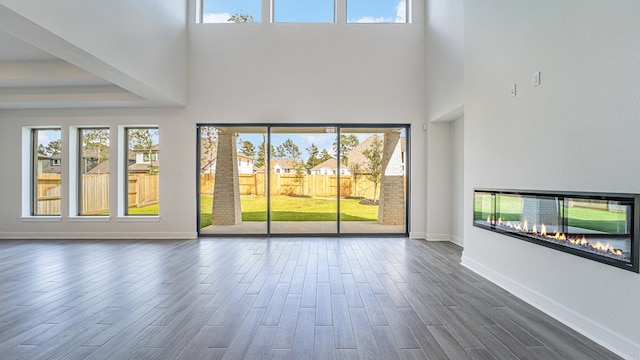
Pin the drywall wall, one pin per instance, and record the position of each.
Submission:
(314, 73)
(247, 73)
(578, 131)
(439, 182)
(177, 180)
(445, 57)
(456, 169)
(122, 41)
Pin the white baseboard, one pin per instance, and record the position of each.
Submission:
(99, 235)
(438, 237)
(611, 340)
(417, 235)
(457, 240)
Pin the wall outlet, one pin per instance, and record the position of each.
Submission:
(535, 79)
(512, 90)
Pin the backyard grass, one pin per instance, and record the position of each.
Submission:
(286, 208)
(146, 210)
(510, 209)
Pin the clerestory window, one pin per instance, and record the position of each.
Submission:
(380, 11)
(231, 11)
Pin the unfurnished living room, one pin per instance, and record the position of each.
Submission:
(327, 179)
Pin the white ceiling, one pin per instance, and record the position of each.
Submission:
(31, 78)
(12, 49)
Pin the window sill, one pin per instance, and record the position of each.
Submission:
(139, 218)
(40, 219)
(74, 219)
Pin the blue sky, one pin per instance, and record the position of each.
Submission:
(358, 11)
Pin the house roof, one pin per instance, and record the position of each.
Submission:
(284, 163)
(208, 159)
(330, 164)
(356, 154)
(102, 168)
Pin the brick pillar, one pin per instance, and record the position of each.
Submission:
(392, 204)
(226, 190)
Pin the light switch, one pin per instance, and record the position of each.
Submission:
(535, 79)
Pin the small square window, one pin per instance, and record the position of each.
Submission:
(231, 11)
(304, 11)
(380, 11)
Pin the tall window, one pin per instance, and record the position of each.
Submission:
(93, 165)
(379, 11)
(46, 164)
(143, 166)
(310, 11)
(231, 11)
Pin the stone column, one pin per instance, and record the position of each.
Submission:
(392, 203)
(226, 190)
(541, 211)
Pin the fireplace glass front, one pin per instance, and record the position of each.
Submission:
(598, 226)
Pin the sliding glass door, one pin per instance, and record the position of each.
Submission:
(303, 174)
(233, 182)
(302, 180)
(373, 189)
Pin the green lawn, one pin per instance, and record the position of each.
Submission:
(587, 218)
(147, 210)
(285, 208)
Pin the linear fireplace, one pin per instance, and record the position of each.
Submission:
(597, 226)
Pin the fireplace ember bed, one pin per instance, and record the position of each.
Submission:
(597, 226)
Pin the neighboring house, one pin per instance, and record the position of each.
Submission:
(93, 158)
(208, 162)
(144, 160)
(245, 164)
(280, 166)
(138, 162)
(329, 167)
(49, 164)
(284, 166)
(396, 163)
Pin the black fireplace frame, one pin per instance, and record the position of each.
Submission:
(634, 224)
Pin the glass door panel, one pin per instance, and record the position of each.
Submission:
(373, 182)
(233, 180)
(303, 180)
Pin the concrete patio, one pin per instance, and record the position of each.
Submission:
(303, 227)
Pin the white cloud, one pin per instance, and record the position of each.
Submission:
(216, 18)
(371, 19)
(401, 12)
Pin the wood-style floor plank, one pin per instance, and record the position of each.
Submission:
(285, 298)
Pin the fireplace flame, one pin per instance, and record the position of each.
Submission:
(578, 241)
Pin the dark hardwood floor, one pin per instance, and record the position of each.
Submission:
(257, 298)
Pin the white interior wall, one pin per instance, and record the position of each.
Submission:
(576, 131)
(445, 62)
(248, 73)
(144, 40)
(444, 104)
(439, 182)
(456, 169)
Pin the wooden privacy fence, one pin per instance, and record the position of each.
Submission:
(291, 184)
(48, 194)
(95, 194)
(143, 191)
